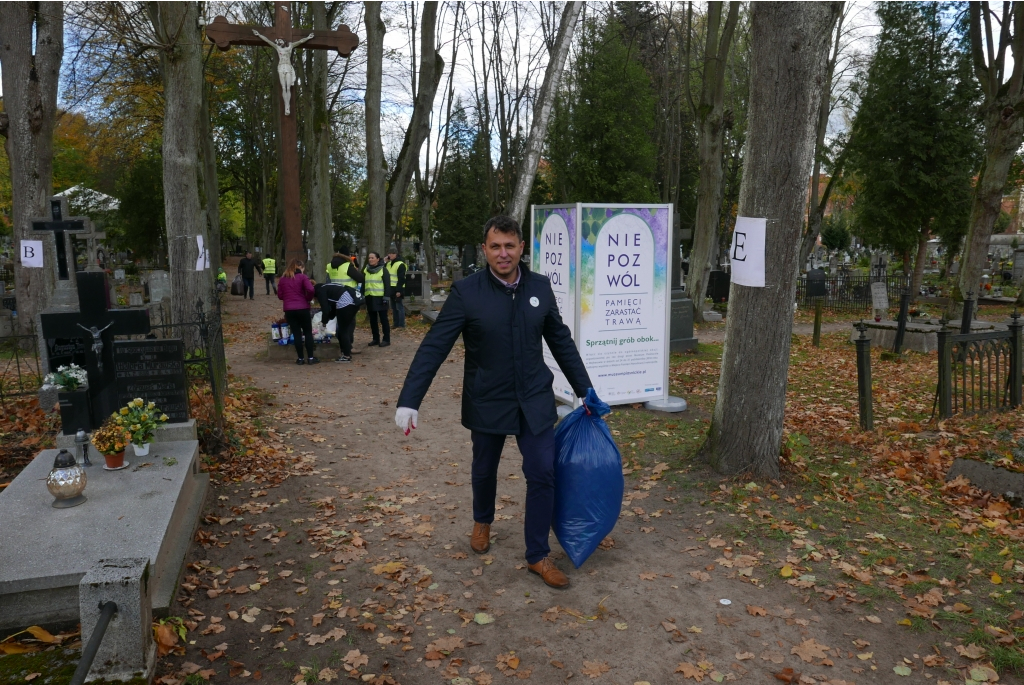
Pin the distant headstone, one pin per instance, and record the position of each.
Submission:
(879, 296)
(159, 285)
(879, 266)
(1018, 266)
(118, 274)
(718, 286)
(155, 371)
(816, 283)
(135, 299)
(954, 269)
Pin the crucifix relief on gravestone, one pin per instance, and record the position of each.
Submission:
(284, 39)
(57, 226)
(96, 325)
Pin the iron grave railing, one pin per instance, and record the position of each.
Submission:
(980, 372)
(20, 372)
(851, 293)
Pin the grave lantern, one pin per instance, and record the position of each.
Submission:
(82, 448)
(66, 481)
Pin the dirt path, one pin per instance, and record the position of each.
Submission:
(362, 566)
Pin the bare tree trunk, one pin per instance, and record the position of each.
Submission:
(711, 125)
(176, 28)
(376, 167)
(318, 138)
(30, 103)
(1004, 126)
(922, 254)
(818, 206)
(542, 110)
(790, 44)
(426, 235)
(211, 186)
(818, 212)
(431, 68)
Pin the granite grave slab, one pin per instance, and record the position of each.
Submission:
(148, 510)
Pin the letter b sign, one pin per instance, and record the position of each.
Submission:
(32, 254)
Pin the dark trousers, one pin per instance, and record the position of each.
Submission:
(538, 467)
(301, 323)
(248, 287)
(398, 311)
(346, 328)
(269, 278)
(383, 317)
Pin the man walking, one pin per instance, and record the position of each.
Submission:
(503, 313)
(248, 268)
(269, 270)
(396, 270)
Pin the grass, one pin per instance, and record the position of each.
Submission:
(55, 666)
(876, 498)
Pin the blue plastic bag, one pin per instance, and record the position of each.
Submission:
(588, 480)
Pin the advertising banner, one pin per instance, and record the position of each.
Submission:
(553, 253)
(622, 330)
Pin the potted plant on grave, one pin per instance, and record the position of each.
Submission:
(111, 439)
(140, 419)
(68, 386)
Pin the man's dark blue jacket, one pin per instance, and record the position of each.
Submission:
(505, 370)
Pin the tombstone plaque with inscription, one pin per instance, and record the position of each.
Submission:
(155, 371)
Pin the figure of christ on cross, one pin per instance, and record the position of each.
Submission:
(285, 70)
(284, 39)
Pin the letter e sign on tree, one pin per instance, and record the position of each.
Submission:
(746, 255)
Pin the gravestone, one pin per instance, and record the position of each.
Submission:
(954, 268)
(93, 327)
(63, 298)
(1018, 266)
(879, 266)
(816, 283)
(155, 371)
(879, 296)
(718, 286)
(135, 300)
(118, 274)
(159, 285)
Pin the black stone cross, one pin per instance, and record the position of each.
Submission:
(98, 325)
(59, 226)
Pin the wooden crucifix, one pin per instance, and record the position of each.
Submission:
(284, 39)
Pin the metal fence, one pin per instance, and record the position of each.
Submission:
(20, 372)
(851, 293)
(980, 372)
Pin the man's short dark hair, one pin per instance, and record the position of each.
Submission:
(503, 224)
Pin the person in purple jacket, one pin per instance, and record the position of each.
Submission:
(295, 291)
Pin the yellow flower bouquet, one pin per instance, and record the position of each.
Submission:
(140, 419)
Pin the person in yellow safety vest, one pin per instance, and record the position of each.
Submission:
(222, 280)
(269, 271)
(396, 270)
(345, 270)
(377, 290)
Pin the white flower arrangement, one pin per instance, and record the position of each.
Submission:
(70, 377)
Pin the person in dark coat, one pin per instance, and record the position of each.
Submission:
(503, 313)
(248, 267)
(341, 302)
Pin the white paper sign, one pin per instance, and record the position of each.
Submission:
(203, 261)
(746, 255)
(32, 254)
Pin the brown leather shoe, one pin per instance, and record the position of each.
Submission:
(480, 541)
(546, 569)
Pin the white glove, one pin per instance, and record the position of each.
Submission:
(406, 418)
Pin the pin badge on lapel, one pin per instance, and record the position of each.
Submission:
(534, 301)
